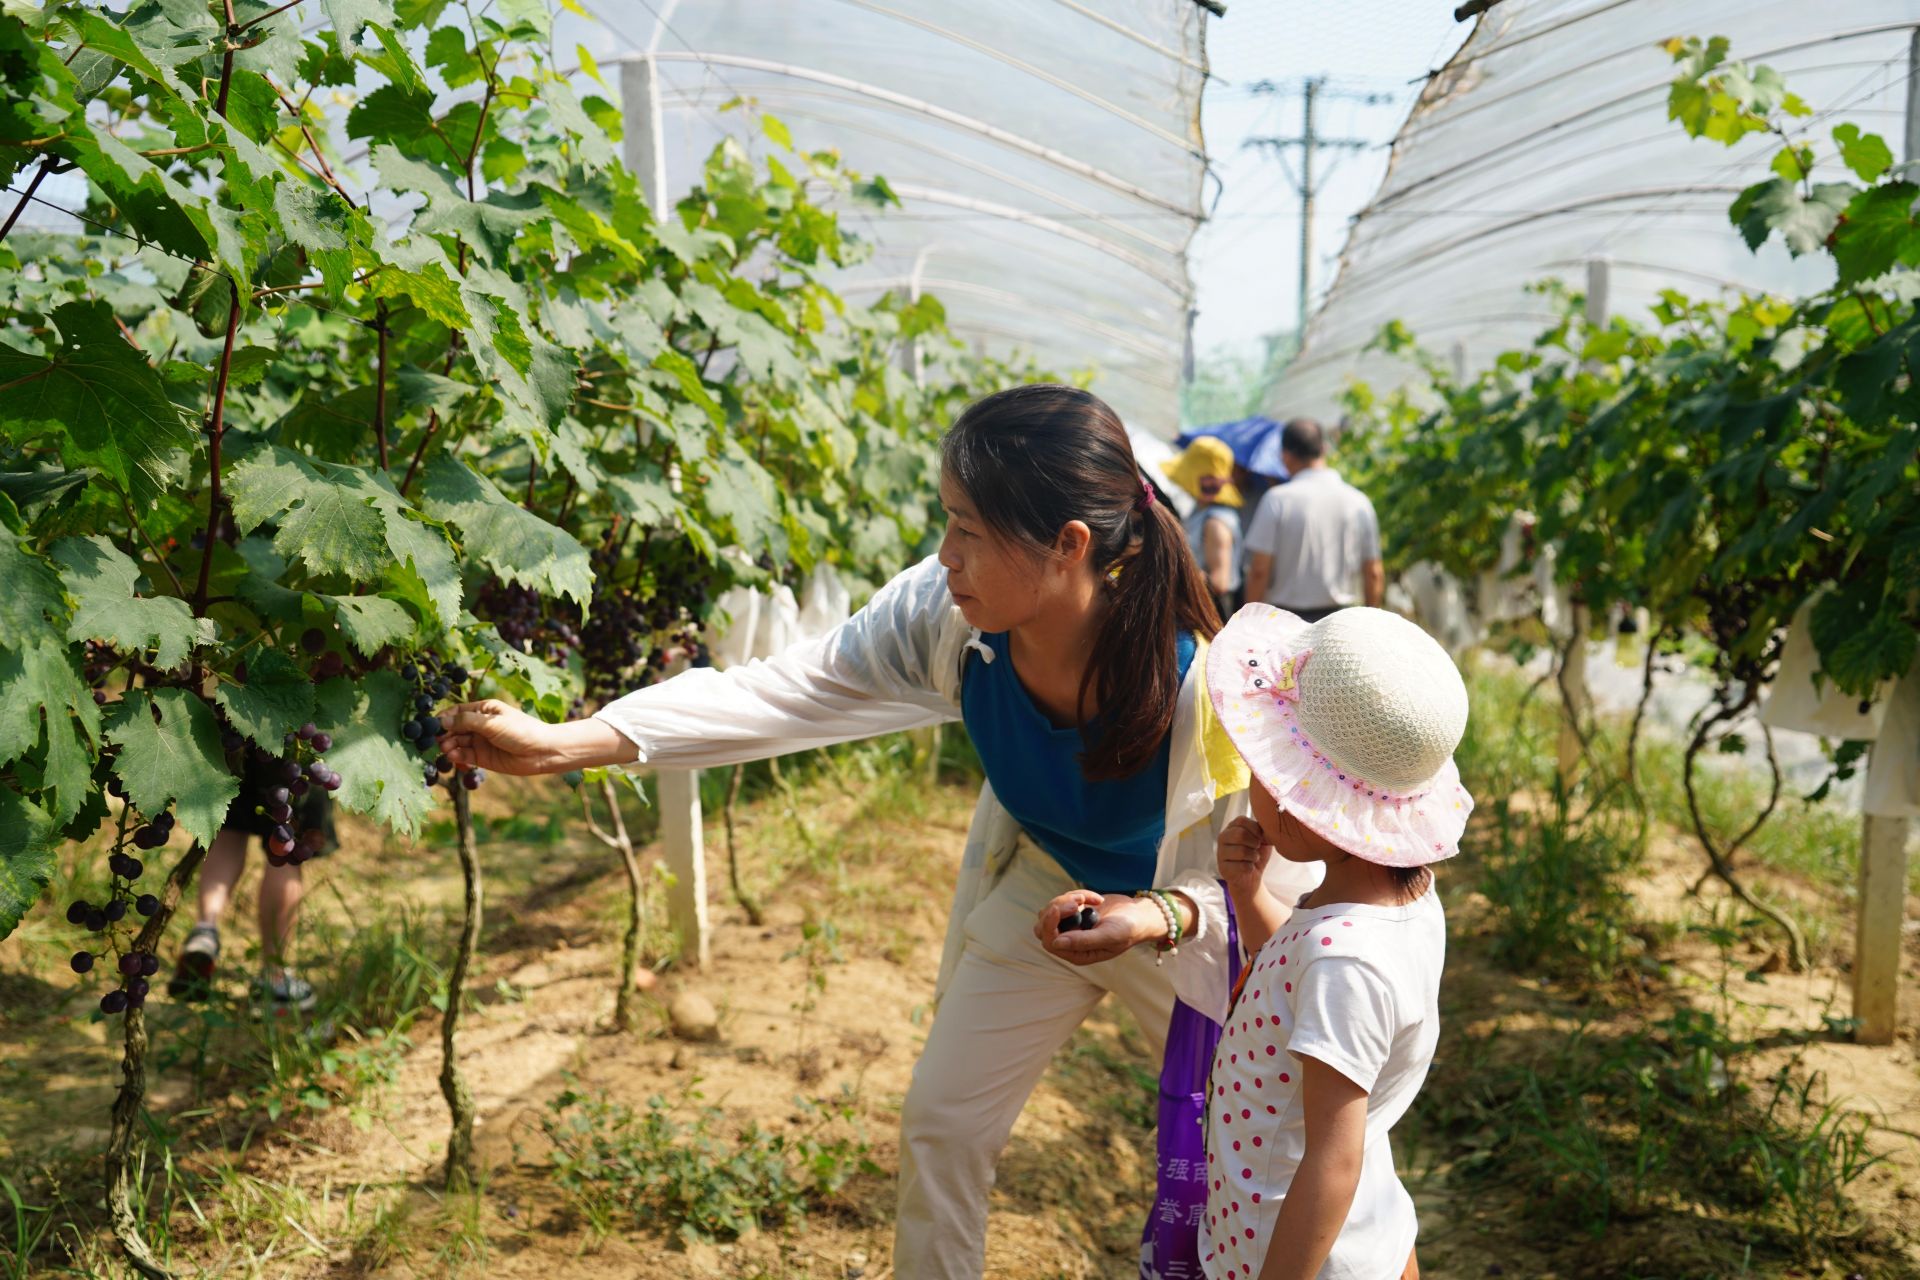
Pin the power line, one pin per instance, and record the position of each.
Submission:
(1310, 142)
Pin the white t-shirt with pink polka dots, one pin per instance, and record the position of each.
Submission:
(1356, 987)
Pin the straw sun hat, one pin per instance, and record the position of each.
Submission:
(1351, 724)
(1205, 456)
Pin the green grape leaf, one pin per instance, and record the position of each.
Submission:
(1867, 154)
(371, 622)
(250, 365)
(1861, 636)
(525, 677)
(154, 204)
(325, 226)
(426, 564)
(395, 62)
(379, 776)
(41, 681)
(276, 699)
(43, 486)
(740, 491)
(350, 18)
(176, 760)
(27, 842)
(339, 519)
(392, 111)
(103, 582)
(645, 498)
(103, 35)
(1879, 232)
(447, 51)
(101, 398)
(484, 224)
(1778, 205)
(261, 586)
(686, 375)
(517, 545)
(417, 389)
(32, 594)
(596, 152)
(327, 526)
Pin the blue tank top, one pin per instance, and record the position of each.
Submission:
(1106, 834)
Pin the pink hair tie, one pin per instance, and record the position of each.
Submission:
(1145, 500)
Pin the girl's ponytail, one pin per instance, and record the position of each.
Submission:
(1032, 459)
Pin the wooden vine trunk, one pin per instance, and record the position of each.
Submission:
(124, 1140)
(460, 1173)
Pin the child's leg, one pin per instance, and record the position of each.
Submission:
(281, 889)
(226, 859)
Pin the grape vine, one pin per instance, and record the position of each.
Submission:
(1722, 466)
(276, 464)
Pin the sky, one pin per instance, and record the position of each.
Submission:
(1245, 262)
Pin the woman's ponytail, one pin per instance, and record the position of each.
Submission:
(1034, 458)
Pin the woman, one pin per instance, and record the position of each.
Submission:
(1065, 622)
(1205, 470)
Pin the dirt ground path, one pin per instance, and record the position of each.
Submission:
(1074, 1184)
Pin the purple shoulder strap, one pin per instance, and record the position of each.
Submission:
(1170, 1243)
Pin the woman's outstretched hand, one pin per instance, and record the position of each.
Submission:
(1125, 922)
(501, 738)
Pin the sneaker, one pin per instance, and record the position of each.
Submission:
(193, 972)
(284, 991)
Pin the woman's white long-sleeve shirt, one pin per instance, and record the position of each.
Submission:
(895, 665)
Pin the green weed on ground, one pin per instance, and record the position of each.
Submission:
(1616, 1108)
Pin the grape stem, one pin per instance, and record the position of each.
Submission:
(747, 904)
(178, 588)
(380, 386)
(46, 167)
(460, 1174)
(633, 978)
(216, 428)
(129, 1103)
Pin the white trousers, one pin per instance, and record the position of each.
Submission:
(1009, 1006)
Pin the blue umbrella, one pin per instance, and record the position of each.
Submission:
(1255, 443)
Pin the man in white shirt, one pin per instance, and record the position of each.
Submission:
(1314, 544)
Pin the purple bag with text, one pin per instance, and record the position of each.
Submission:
(1170, 1243)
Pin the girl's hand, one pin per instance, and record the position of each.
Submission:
(1125, 923)
(1242, 855)
(499, 737)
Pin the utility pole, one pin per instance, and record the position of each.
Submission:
(1312, 90)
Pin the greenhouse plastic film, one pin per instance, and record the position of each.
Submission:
(1544, 145)
(1047, 156)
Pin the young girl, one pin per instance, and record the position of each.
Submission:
(1349, 726)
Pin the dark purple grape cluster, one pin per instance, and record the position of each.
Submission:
(98, 661)
(329, 663)
(124, 895)
(637, 624)
(434, 682)
(526, 622)
(272, 784)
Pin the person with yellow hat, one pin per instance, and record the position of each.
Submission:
(1205, 470)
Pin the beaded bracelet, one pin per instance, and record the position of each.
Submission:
(1166, 906)
(1173, 915)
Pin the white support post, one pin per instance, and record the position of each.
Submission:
(683, 851)
(1877, 938)
(644, 146)
(1883, 841)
